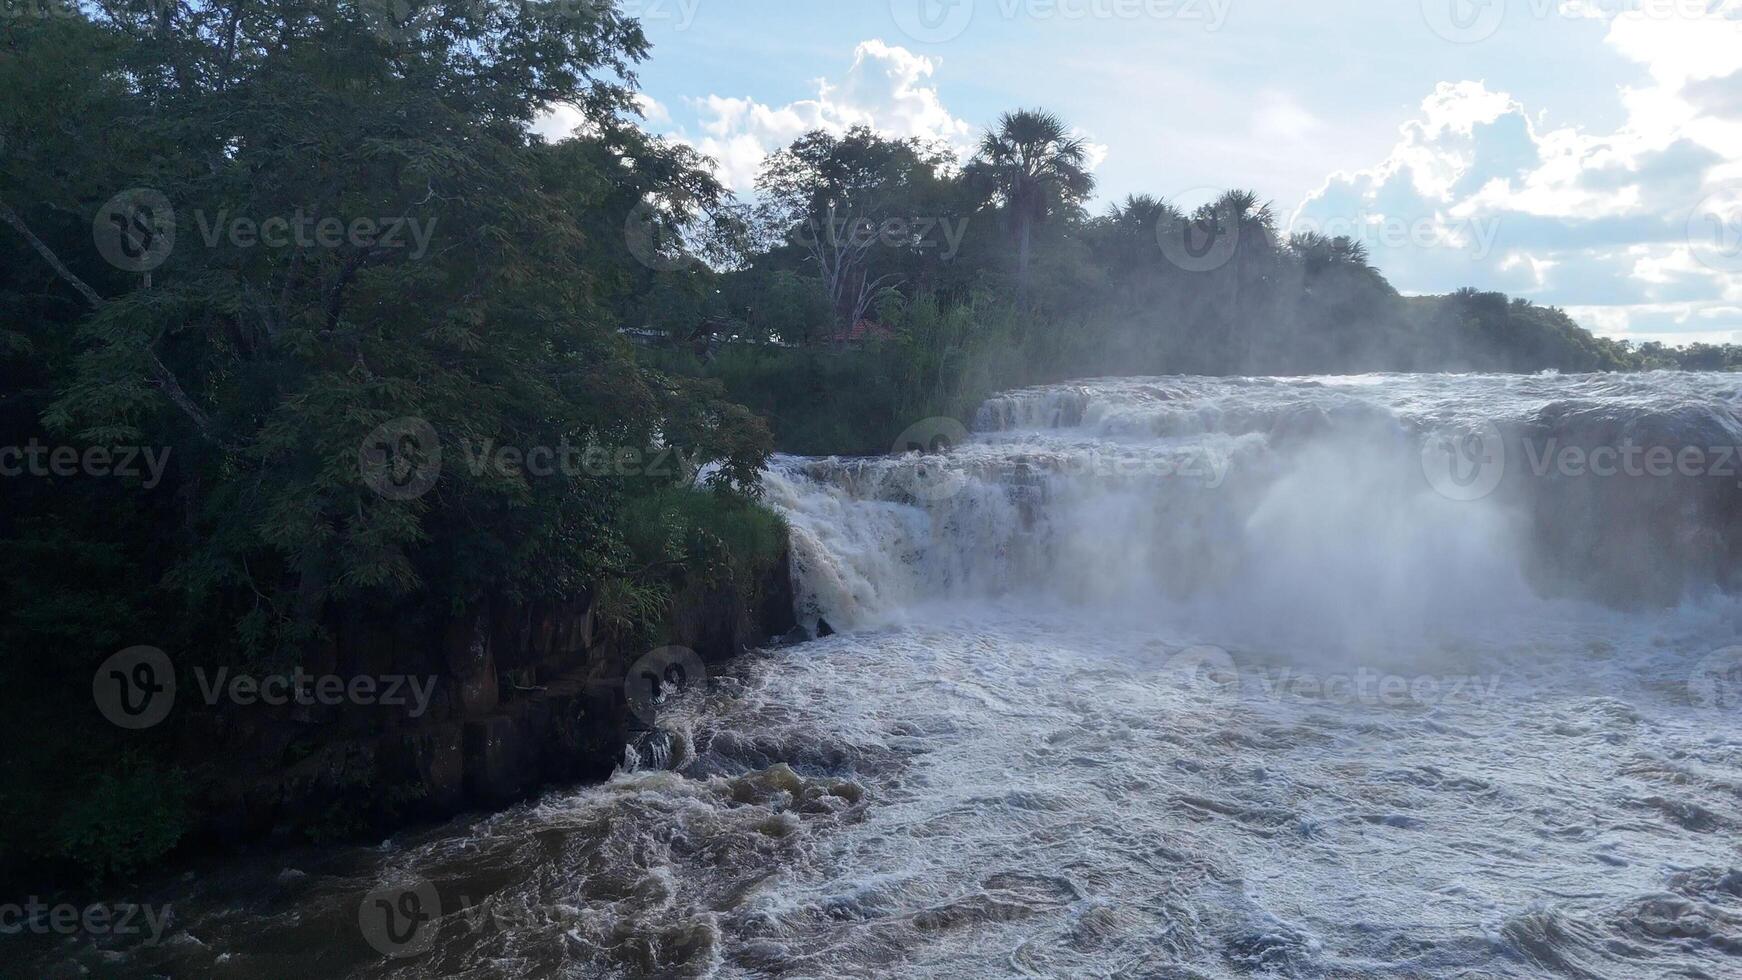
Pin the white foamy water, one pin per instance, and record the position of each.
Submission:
(1152, 678)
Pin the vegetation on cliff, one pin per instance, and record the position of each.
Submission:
(374, 260)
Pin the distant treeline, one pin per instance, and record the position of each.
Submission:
(886, 283)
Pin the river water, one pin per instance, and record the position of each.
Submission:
(1387, 676)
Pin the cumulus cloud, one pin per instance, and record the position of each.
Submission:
(1094, 153)
(1479, 192)
(887, 88)
(558, 122)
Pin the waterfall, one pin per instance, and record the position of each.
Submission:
(1347, 510)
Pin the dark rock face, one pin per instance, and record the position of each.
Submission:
(1630, 508)
(519, 698)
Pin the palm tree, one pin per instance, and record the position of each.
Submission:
(1320, 252)
(1131, 229)
(1037, 168)
(1251, 215)
(1252, 221)
(1145, 216)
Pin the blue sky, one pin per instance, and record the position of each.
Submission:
(1586, 154)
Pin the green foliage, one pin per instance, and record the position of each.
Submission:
(123, 820)
(1653, 355)
(1038, 291)
(262, 367)
(1036, 169)
(859, 214)
(684, 535)
(630, 609)
(1477, 331)
(818, 402)
(720, 536)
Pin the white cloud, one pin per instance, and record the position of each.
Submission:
(652, 110)
(1096, 153)
(1281, 119)
(887, 88)
(1598, 222)
(558, 122)
(1670, 323)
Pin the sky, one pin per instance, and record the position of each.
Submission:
(1585, 154)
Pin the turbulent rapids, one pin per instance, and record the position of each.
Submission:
(1376, 676)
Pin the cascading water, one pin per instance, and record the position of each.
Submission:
(1277, 509)
(1378, 676)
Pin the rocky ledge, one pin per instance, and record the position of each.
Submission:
(518, 698)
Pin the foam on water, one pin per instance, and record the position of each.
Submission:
(1292, 510)
(1417, 748)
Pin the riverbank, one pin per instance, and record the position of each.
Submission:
(525, 697)
(394, 718)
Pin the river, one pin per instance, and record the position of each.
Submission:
(1340, 677)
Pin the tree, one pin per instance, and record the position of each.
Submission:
(368, 234)
(1034, 166)
(847, 204)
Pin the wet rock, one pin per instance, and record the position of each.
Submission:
(824, 629)
(524, 696)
